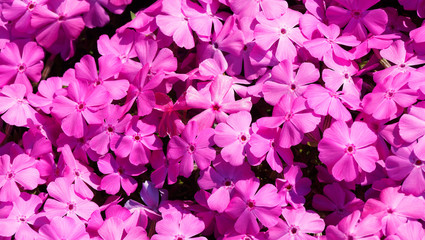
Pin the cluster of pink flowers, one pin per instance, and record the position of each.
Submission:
(273, 119)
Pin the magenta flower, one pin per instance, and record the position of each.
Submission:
(163, 167)
(22, 171)
(250, 205)
(414, 5)
(406, 165)
(295, 118)
(218, 100)
(263, 144)
(66, 201)
(293, 187)
(411, 127)
(175, 23)
(348, 151)
(80, 107)
(113, 229)
(355, 227)
(138, 141)
(22, 215)
(16, 109)
(58, 24)
(20, 63)
(66, 228)
(109, 67)
(283, 81)
(410, 230)
(20, 12)
(191, 147)
(271, 9)
(356, 17)
(118, 173)
(47, 91)
(280, 32)
(233, 137)
(298, 224)
(179, 226)
(80, 174)
(394, 208)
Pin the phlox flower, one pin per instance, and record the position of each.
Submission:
(352, 226)
(281, 32)
(80, 174)
(113, 229)
(65, 228)
(97, 16)
(118, 173)
(329, 45)
(58, 24)
(272, 9)
(348, 151)
(137, 142)
(22, 215)
(284, 82)
(233, 136)
(393, 209)
(338, 200)
(109, 67)
(222, 179)
(252, 203)
(411, 127)
(22, 171)
(406, 165)
(170, 123)
(47, 91)
(66, 201)
(174, 22)
(356, 17)
(409, 230)
(263, 144)
(179, 226)
(82, 105)
(191, 147)
(342, 73)
(21, 12)
(15, 107)
(293, 187)
(295, 119)
(218, 100)
(297, 225)
(163, 167)
(418, 5)
(21, 62)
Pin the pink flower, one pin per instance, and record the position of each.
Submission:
(66, 228)
(109, 67)
(357, 18)
(271, 9)
(348, 151)
(21, 13)
(21, 170)
(250, 205)
(47, 91)
(80, 174)
(329, 45)
(138, 141)
(192, 147)
(414, 5)
(233, 137)
(298, 224)
(20, 63)
(113, 229)
(281, 31)
(58, 24)
(22, 215)
(179, 226)
(283, 81)
(293, 187)
(411, 127)
(175, 23)
(295, 118)
(66, 201)
(118, 173)
(355, 227)
(16, 109)
(81, 106)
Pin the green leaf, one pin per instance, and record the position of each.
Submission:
(132, 15)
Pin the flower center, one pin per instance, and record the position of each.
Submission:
(346, 76)
(288, 116)
(136, 137)
(389, 94)
(283, 31)
(120, 171)
(71, 206)
(110, 129)
(191, 148)
(250, 204)
(356, 14)
(351, 149)
(289, 187)
(215, 45)
(216, 107)
(81, 107)
(179, 237)
(61, 18)
(22, 219)
(22, 68)
(293, 87)
(418, 162)
(31, 6)
(294, 230)
(77, 173)
(402, 65)
(10, 175)
(243, 137)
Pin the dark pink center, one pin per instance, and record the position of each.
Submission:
(356, 14)
(250, 204)
(61, 18)
(110, 129)
(31, 6)
(71, 206)
(350, 149)
(137, 137)
(191, 148)
(10, 175)
(21, 68)
(418, 162)
(81, 107)
(346, 76)
(227, 183)
(294, 230)
(293, 87)
(283, 31)
(216, 107)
